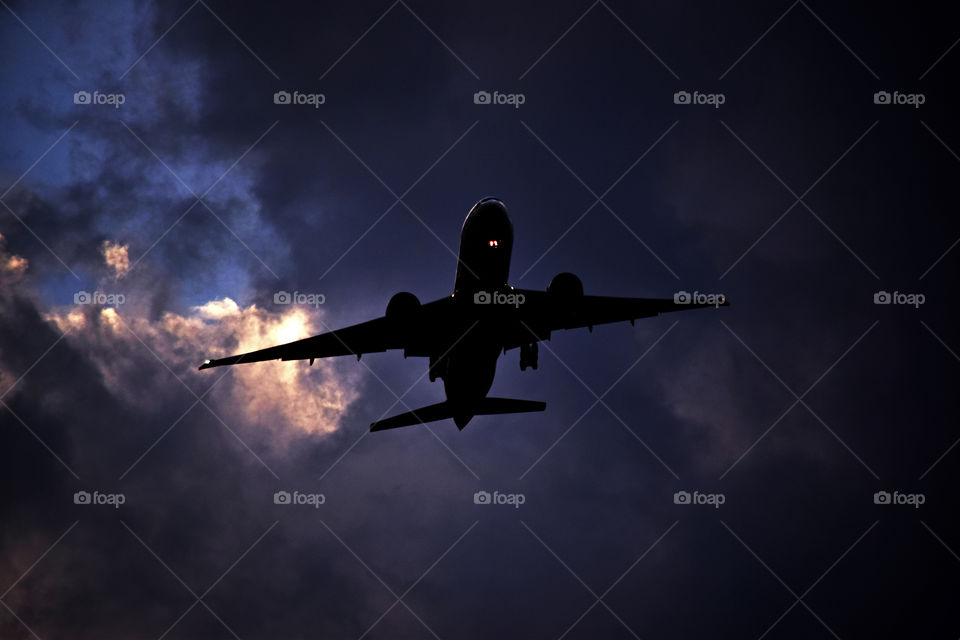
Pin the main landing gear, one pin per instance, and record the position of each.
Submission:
(528, 356)
(437, 367)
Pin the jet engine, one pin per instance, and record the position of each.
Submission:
(402, 306)
(565, 285)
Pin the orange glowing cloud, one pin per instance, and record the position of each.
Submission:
(12, 267)
(116, 257)
(285, 399)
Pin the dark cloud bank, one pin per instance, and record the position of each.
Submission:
(796, 405)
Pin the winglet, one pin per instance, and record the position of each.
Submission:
(209, 364)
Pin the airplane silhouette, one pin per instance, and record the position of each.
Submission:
(464, 334)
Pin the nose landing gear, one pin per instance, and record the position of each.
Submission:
(528, 356)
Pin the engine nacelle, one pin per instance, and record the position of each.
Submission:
(402, 306)
(565, 285)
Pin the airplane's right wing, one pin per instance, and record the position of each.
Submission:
(366, 337)
(381, 334)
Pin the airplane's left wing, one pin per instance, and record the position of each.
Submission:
(588, 311)
(542, 312)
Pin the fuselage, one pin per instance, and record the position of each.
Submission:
(483, 267)
(486, 243)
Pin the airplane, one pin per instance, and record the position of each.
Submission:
(465, 333)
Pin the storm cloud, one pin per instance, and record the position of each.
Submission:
(784, 467)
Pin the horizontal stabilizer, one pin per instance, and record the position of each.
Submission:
(493, 406)
(460, 414)
(430, 413)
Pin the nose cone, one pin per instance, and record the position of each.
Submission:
(488, 205)
(488, 212)
(486, 243)
(491, 201)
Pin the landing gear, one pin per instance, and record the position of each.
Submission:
(436, 368)
(528, 356)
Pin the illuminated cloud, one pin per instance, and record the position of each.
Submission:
(115, 255)
(310, 399)
(12, 267)
(7, 381)
(138, 358)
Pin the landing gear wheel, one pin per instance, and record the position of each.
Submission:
(528, 356)
(436, 368)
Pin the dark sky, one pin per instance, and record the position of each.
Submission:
(801, 197)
